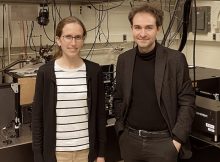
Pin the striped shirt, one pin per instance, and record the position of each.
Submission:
(71, 109)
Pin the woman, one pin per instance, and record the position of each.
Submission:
(68, 111)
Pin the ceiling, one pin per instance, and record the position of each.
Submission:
(57, 1)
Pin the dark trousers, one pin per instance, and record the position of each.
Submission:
(135, 148)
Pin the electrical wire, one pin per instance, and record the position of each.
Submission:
(107, 8)
(50, 47)
(54, 21)
(96, 35)
(31, 38)
(161, 7)
(194, 47)
(107, 23)
(10, 35)
(47, 35)
(27, 29)
(54, 28)
(100, 20)
(169, 8)
(55, 7)
(99, 24)
(24, 39)
(70, 8)
(2, 56)
(171, 23)
(3, 39)
(173, 37)
(28, 37)
(101, 11)
(98, 29)
(186, 15)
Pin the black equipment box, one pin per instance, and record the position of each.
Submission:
(108, 79)
(209, 88)
(207, 117)
(8, 103)
(207, 82)
(202, 73)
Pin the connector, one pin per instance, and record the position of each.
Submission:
(214, 36)
(118, 48)
(124, 38)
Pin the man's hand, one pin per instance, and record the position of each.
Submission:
(177, 145)
(100, 159)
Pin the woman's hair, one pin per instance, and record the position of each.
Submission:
(59, 30)
(158, 14)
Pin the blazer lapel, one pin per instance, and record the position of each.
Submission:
(129, 71)
(160, 65)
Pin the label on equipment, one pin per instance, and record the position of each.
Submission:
(209, 126)
(211, 130)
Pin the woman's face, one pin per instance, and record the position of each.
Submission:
(71, 41)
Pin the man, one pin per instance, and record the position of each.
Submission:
(154, 99)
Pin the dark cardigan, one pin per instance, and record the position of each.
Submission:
(44, 113)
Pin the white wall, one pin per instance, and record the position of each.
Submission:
(207, 50)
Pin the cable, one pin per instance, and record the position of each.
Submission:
(27, 33)
(70, 8)
(47, 35)
(171, 23)
(102, 14)
(171, 40)
(24, 39)
(58, 12)
(31, 41)
(10, 35)
(194, 47)
(13, 64)
(54, 28)
(107, 23)
(31, 38)
(3, 35)
(100, 19)
(54, 20)
(162, 10)
(169, 8)
(107, 8)
(3, 42)
(99, 24)
(186, 16)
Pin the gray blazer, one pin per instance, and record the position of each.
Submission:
(174, 92)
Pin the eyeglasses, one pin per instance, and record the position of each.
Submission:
(69, 38)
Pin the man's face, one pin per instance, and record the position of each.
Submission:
(144, 31)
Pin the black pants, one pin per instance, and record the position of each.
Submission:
(146, 149)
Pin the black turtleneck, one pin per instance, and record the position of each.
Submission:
(144, 112)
